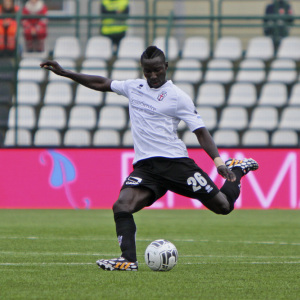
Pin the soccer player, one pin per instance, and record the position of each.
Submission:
(161, 161)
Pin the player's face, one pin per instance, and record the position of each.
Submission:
(155, 70)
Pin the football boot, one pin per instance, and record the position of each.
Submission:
(117, 264)
(246, 164)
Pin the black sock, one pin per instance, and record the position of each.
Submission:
(232, 189)
(126, 229)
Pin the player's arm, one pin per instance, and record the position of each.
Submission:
(98, 83)
(209, 146)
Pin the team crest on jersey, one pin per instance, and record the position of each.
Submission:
(162, 96)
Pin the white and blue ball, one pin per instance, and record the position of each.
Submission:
(161, 255)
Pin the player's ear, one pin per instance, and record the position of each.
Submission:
(166, 64)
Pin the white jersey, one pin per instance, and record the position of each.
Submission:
(155, 114)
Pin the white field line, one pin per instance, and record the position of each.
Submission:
(245, 262)
(9, 253)
(46, 264)
(181, 263)
(238, 259)
(58, 253)
(149, 240)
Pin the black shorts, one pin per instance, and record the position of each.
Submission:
(179, 175)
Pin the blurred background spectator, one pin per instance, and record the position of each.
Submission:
(8, 28)
(35, 30)
(115, 29)
(278, 28)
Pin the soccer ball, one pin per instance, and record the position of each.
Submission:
(161, 255)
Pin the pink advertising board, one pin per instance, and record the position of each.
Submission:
(91, 178)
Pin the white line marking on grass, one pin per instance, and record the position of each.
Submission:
(45, 264)
(85, 239)
(55, 238)
(57, 253)
(250, 242)
(181, 263)
(117, 254)
(240, 256)
(149, 240)
(244, 262)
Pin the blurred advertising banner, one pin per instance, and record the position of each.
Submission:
(91, 178)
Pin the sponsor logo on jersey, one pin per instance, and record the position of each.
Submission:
(162, 96)
(133, 180)
(138, 90)
(140, 104)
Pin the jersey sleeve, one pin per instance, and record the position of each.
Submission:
(120, 87)
(187, 112)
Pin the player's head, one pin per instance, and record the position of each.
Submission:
(154, 66)
(152, 52)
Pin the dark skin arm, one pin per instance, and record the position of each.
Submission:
(97, 83)
(209, 146)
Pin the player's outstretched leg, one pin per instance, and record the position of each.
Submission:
(240, 167)
(117, 264)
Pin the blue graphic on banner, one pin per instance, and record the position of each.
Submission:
(63, 170)
(62, 174)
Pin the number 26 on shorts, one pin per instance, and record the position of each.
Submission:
(197, 181)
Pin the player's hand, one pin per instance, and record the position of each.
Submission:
(226, 173)
(52, 66)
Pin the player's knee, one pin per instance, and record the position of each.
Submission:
(221, 205)
(121, 205)
(125, 203)
(224, 209)
(115, 207)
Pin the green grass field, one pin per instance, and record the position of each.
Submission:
(249, 254)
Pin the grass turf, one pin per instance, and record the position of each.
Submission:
(249, 254)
